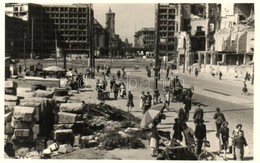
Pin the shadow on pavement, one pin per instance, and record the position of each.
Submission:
(208, 131)
(248, 109)
(167, 123)
(196, 103)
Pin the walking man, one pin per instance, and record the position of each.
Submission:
(198, 114)
(200, 134)
(219, 119)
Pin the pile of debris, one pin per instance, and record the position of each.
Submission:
(39, 127)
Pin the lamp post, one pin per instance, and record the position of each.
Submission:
(24, 48)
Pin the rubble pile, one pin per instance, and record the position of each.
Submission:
(40, 127)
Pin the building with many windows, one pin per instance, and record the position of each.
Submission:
(50, 26)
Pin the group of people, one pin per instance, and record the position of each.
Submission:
(105, 70)
(238, 141)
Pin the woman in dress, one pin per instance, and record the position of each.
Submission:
(142, 101)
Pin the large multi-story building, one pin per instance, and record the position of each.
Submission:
(145, 38)
(168, 27)
(51, 26)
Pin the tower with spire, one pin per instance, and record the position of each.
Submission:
(110, 22)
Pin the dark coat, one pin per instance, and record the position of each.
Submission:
(199, 113)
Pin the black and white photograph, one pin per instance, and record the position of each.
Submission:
(129, 81)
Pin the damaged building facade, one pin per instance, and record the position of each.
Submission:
(43, 24)
(215, 34)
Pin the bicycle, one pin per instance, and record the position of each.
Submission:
(204, 154)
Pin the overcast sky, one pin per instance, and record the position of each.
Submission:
(129, 18)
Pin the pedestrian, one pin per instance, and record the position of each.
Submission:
(213, 72)
(187, 107)
(219, 119)
(245, 90)
(112, 82)
(167, 99)
(200, 135)
(196, 72)
(247, 76)
(20, 69)
(234, 135)
(130, 102)
(142, 101)
(104, 83)
(236, 75)
(148, 72)
(220, 75)
(189, 69)
(181, 115)
(149, 99)
(97, 84)
(98, 67)
(177, 128)
(188, 135)
(154, 141)
(122, 90)
(118, 74)
(198, 114)
(124, 74)
(167, 72)
(223, 137)
(240, 143)
(115, 90)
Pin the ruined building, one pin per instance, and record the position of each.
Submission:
(44, 24)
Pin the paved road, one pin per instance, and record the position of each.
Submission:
(211, 93)
(237, 108)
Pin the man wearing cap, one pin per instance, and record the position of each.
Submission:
(198, 114)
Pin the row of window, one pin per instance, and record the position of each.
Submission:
(65, 9)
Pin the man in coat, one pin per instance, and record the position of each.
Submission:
(198, 114)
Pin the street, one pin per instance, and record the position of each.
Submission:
(225, 94)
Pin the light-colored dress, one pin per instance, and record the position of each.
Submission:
(142, 97)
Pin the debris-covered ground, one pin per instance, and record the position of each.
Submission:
(38, 126)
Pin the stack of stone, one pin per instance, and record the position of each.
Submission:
(22, 122)
(44, 113)
(69, 120)
(11, 99)
(11, 87)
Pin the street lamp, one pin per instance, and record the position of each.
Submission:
(24, 49)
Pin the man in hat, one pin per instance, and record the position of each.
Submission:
(200, 134)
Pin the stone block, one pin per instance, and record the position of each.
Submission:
(11, 91)
(17, 124)
(53, 147)
(11, 98)
(71, 107)
(8, 117)
(64, 136)
(63, 126)
(21, 132)
(10, 84)
(33, 155)
(37, 107)
(21, 152)
(77, 142)
(47, 151)
(8, 128)
(23, 113)
(64, 117)
(65, 148)
(36, 131)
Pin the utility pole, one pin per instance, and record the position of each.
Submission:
(32, 54)
(24, 48)
(56, 48)
(90, 38)
(156, 91)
